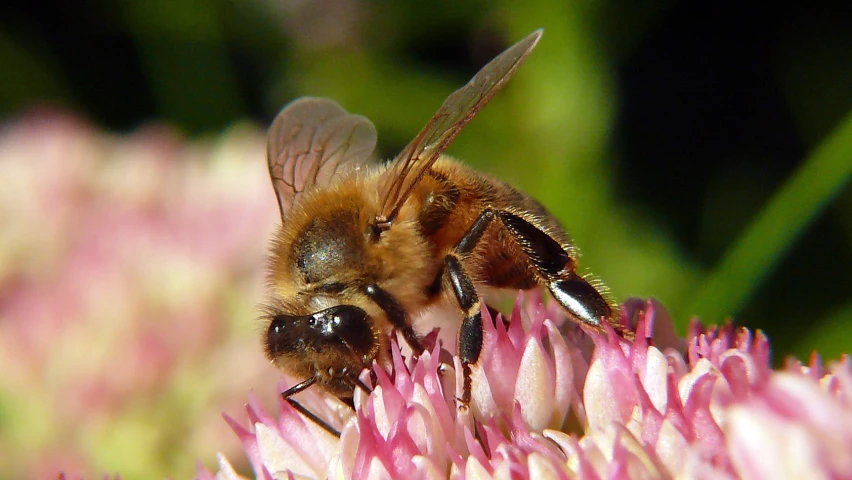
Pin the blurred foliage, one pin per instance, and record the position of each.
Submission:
(671, 138)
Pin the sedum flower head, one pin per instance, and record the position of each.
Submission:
(552, 401)
(129, 274)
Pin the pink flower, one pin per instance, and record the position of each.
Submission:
(130, 271)
(547, 405)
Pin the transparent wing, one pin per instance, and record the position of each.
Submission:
(458, 109)
(310, 141)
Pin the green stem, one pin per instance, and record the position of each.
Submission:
(775, 229)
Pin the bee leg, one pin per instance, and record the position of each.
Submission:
(582, 301)
(299, 387)
(304, 411)
(396, 315)
(554, 266)
(470, 332)
(313, 417)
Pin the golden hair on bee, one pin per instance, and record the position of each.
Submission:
(364, 247)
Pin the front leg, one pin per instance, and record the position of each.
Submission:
(304, 411)
(396, 315)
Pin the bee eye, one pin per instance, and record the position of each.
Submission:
(348, 323)
(277, 325)
(276, 335)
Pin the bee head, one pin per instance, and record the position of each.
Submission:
(332, 345)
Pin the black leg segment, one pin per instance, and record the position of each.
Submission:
(582, 301)
(545, 253)
(555, 268)
(299, 387)
(470, 332)
(313, 417)
(396, 315)
(304, 411)
(475, 232)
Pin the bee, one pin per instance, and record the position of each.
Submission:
(366, 246)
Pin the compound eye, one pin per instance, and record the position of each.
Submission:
(278, 336)
(348, 323)
(349, 318)
(277, 325)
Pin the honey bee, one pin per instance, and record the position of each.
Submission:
(365, 246)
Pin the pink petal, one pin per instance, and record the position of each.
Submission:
(761, 447)
(534, 388)
(278, 455)
(563, 380)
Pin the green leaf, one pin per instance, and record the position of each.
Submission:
(774, 231)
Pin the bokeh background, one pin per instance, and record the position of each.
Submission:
(698, 152)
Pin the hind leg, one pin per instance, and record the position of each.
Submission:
(554, 268)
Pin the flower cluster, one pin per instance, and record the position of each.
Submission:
(551, 401)
(130, 271)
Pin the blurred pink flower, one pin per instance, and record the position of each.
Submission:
(130, 271)
(552, 402)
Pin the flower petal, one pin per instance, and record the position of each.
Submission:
(534, 387)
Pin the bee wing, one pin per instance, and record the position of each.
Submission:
(310, 141)
(458, 109)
